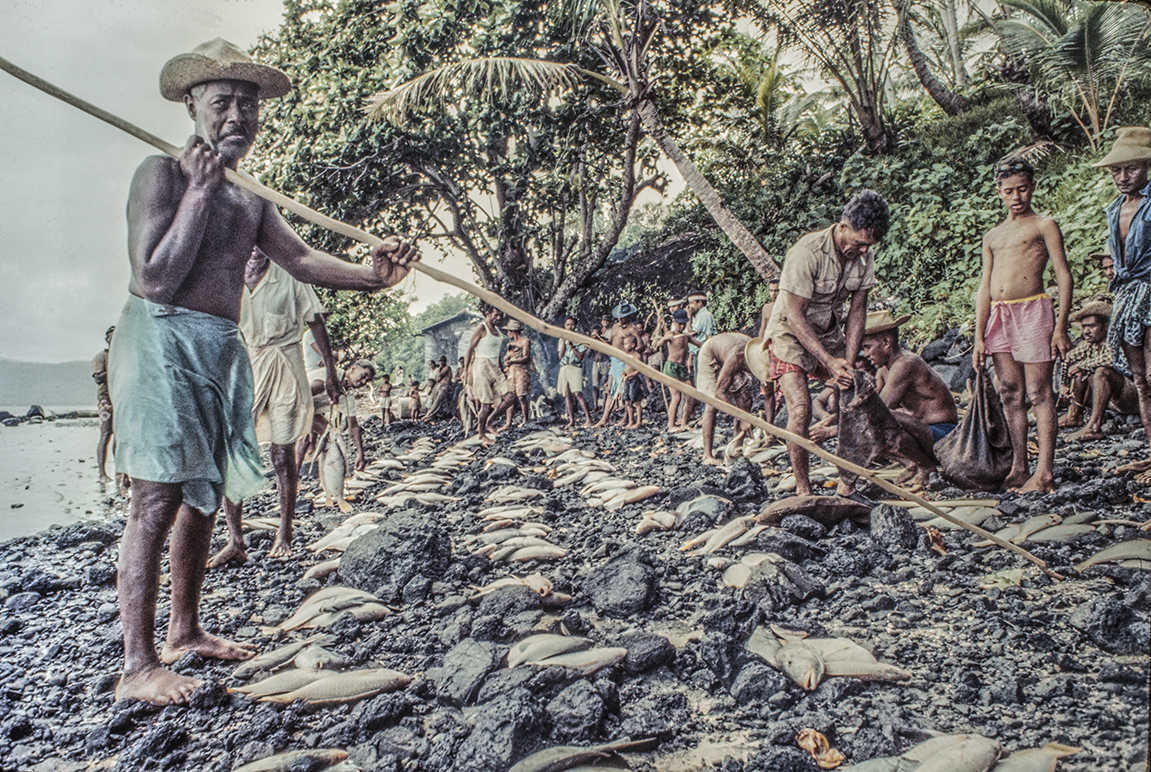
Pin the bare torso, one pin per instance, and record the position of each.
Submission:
(677, 348)
(214, 283)
(1126, 215)
(917, 390)
(1019, 257)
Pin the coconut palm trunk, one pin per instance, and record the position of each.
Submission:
(952, 103)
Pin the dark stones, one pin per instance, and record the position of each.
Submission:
(464, 669)
(744, 481)
(790, 546)
(75, 534)
(782, 759)
(646, 651)
(403, 547)
(803, 527)
(622, 587)
(756, 682)
(507, 601)
(504, 730)
(577, 711)
(1112, 626)
(22, 600)
(892, 527)
(774, 585)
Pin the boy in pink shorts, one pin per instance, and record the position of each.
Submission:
(1015, 322)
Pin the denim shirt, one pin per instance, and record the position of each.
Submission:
(1135, 262)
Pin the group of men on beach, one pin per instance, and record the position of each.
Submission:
(205, 360)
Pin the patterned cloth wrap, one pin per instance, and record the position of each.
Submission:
(1130, 318)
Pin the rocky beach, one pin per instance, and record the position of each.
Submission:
(983, 642)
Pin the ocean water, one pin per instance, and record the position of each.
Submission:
(48, 475)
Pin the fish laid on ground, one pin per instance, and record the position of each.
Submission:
(1035, 759)
(738, 574)
(340, 533)
(542, 646)
(385, 463)
(314, 759)
(587, 661)
(606, 484)
(345, 687)
(326, 599)
(1137, 551)
(270, 660)
(287, 681)
(412, 487)
(632, 497)
(316, 657)
(510, 512)
(333, 470)
(260, 524)
(538, 552)
(748, 536)
(807, 661)
(720, 537)
(970, 515)
(944, 753)
(1060, 533)
(365, 612)
(512, 493)
(827, 510)
(565, 757)
(537, 582)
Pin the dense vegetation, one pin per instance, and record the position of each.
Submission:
(532, 137)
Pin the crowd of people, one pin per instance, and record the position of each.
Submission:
(205, 362)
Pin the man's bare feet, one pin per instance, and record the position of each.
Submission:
(231, 553)
(1070, 420)
(103, 478)
(1086, 434)
(206, 645)
(282, 546)
(156, 685)
(1143, 478)
(1016, 480)
(1036, 483)
(712, 461)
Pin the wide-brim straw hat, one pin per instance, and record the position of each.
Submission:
(1132, 143)
(757, 359)
(882, 321)
(1094, 308)
(219, 60)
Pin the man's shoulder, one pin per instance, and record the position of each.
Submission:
(100, 361)
(809, 247)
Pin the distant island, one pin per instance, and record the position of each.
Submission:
(50, 384)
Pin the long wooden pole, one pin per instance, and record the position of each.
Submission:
(245, 181)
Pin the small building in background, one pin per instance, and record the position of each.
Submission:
(449, 337)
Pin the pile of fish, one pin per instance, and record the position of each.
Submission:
(525, 541)
(566, 651)
(601, 486)
(966, 753)
(324, 606)
(536, 582)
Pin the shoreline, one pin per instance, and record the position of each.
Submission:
(1025, 663)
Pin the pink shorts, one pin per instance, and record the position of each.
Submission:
(1021, 328)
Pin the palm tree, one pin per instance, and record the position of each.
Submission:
(621, 38)
(1083, 53)
(951, 102)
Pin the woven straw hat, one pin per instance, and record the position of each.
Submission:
(882, 321)
(1094, 308)
(219, 60)
(1132, 143)
(756, 357)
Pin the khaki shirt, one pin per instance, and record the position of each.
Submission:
(812, 270)
(277, 311)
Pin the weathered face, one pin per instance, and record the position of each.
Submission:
(1094, 328)
(1129, 177)
(1016, 191)
(629, 343)
(877, 349)
(227, 116)
(494, 316)
(772, 290)
(1108, 266)
(855, 243)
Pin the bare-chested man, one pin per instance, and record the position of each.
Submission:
(103, 404)
(625, 327)
(807, 336)
(1129, 244)
(179, 373)
(1015, 322)
(723, 374)
(678, 344)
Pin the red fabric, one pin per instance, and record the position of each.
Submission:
(776, 368)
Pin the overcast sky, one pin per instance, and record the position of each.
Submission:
(63, 259)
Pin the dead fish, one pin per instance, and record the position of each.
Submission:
(725, 534)
(312, 759)
(509, 511)
(385, 463)
(561, 757)
(808, 660)
(827, 510)
(542, 646)
(647, 525)
(586, 662)
(633, 496)
(260, 524)
(366, 612)
(1036, 759)
(969, 515)
(697, 540)
(333, 470)
(1060, 533)
(340, 534)
(661, 516)
(515, 542)
(408, 487)
(287, 681)
(510, 493)
(973, 753)
(346, 687)
(1035, 524)
(606, 484)
(315, 657)
(549, 552)
(1135, 549)
(270, 660)
(748, 536)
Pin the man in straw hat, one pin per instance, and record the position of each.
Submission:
(624, 327)
(1129, 243)
(807, 335)
(179, 373)
(517, 364)
(1089, 376)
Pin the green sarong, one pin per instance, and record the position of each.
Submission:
(676, 370)
(182, 393)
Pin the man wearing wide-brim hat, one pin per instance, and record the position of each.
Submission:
(180, 380)
(1129, 242)
(517, 368)
(1088, 375)
(625, 326)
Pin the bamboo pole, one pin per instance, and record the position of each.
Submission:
(246, 181)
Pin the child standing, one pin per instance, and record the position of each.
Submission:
(676, 363)
(633, 389)
(1015, 322)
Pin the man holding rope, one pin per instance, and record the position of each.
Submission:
(807, 336)
(181, 383)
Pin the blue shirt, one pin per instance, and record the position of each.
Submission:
(571, 352)
(1134, 260)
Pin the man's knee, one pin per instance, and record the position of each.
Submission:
(1039, 393)
(1011, 393)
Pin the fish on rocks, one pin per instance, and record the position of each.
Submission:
(326, 600)
(316, 657)
(512, 493)
(349, 686)
(312, 759)
(278, 657)
(280, 683)
(333, 470)
(542, 646)
(537, 582)
(566, 757)
(586, 661)
(1135, 553)
(826, 510)
(943, 753)
(807, 661)
(1043, 759)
